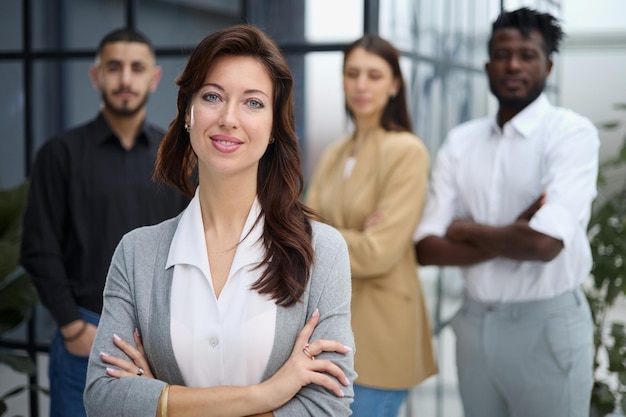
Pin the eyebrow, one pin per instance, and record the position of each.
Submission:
(120, 61)
(248, 91)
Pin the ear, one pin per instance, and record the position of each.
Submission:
(157, 72)
(549, 64)
(396, 87)
(93, 75)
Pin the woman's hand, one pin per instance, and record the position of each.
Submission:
(302, 368)
(373, 219)
(139, 365)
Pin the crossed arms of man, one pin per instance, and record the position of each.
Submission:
(467, 242)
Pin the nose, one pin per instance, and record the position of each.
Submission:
(361, 81)
(228, 116)
(127, 73)
(513, 63)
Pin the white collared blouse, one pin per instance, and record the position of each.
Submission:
(225, 340)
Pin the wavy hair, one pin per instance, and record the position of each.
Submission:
(287, 233)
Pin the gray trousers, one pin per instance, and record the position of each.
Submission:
(525, 359)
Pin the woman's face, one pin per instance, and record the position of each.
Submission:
(230, 117)
(368, 82)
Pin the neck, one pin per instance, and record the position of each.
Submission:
(360, 135)
(225, 204)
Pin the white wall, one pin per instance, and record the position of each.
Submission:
(592, 76)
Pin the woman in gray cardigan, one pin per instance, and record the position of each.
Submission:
(242, 301)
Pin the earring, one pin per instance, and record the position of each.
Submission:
(271, 140)
(187, 127)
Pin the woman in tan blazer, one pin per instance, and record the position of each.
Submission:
(371, 186)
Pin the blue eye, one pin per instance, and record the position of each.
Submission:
(212, 97)
(256, 104)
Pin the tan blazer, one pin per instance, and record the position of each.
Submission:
(389, 319)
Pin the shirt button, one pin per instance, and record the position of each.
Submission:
(214, 341)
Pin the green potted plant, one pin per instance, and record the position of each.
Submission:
(607, 236)
(17, 294)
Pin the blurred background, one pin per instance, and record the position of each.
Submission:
(47, 46)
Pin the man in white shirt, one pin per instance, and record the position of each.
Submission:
(509, 202)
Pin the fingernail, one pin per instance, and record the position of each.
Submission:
(104, 354)
(116, 337)
(136, 332)
(341, 394)
(109, 370)
(316, 312)
(348, 347)
(346, 381)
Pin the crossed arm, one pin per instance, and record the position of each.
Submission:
(300, 370)
(467, 242)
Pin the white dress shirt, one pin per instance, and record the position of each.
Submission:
(225, 340)
(491, 175)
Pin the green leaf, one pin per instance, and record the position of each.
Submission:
(602, 399)
(17, 299)
(616, 364)
(622, 378)
(14, 392)
(610, 125)
(19, 362)
(12, 203)
(9, 258)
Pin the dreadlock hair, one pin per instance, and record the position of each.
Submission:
(526, 20)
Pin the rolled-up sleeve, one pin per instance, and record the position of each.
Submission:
(569, 180)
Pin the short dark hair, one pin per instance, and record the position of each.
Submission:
(396, 114)
(526, 20)
(124, 35)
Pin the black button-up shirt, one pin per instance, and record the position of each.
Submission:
(86, 191)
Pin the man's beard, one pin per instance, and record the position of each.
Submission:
(517, 102)
(123, 111)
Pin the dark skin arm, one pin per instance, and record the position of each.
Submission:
(468, 243)
(435, 250)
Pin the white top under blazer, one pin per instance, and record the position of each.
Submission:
(212, 336)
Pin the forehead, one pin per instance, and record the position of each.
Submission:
(361, 58)
(243, 71)
(126, 52)
(513, 38)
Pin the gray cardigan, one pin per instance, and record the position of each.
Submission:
(137, 295)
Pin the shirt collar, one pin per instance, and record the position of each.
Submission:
(189, 246)
(529, 119)
(103, 133)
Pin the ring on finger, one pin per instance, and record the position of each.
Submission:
(140, 372)
(307, 352)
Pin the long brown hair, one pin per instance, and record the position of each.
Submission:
(287, 232)
(396, 114)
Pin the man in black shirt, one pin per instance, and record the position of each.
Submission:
(89, 186)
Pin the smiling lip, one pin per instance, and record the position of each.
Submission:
(226, 144)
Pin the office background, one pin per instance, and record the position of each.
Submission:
(47, 46)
